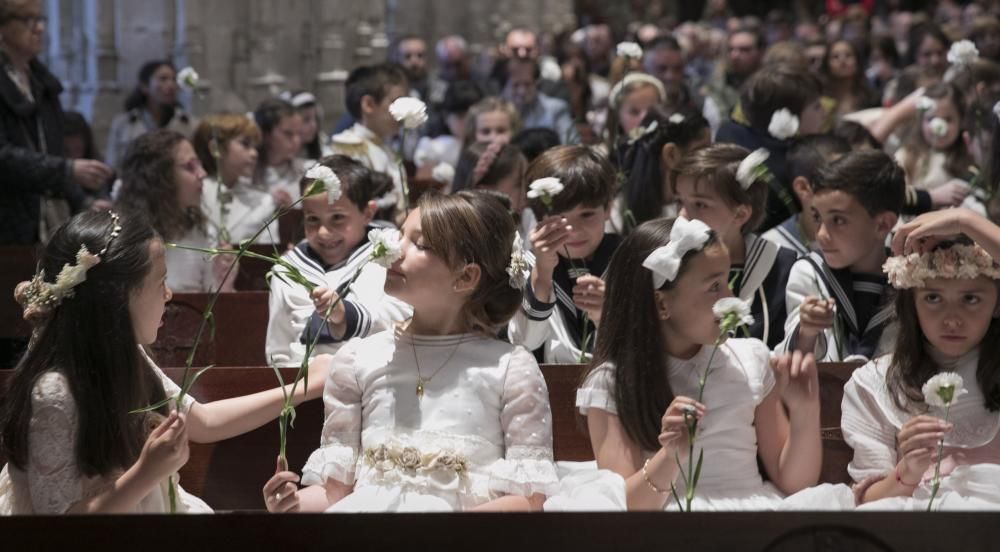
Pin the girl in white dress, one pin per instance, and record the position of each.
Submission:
(948, 310)
(651, 352)
(436, 414)
(66, 423)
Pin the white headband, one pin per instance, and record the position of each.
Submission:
(614, 98)
(686, 235)
(298, 100)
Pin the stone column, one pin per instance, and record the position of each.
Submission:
(265, 80)
(100, 88)
(331, 60)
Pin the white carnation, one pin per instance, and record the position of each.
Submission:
(942, 389)
(963, 52)
(630, 50)
(331, 183)
(938, 126)
(748, 169)
(187, 78)
(783, 124)
(732, 312)
(410, 112)
(550, 69)
(443, 173)
(925, 104)
(386, 246)
(545, 187)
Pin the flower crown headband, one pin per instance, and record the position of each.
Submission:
(39, 297)
(665, 261)
(959, 261)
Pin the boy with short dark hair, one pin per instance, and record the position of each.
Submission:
(838, 299)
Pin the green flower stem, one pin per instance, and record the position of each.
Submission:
(836, 325)
(936, 482)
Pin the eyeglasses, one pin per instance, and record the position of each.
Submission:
(193, 166)
(30, 20)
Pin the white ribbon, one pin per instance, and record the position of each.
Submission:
(686, 235)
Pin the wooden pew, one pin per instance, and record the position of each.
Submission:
(228, 475)
(252, 275)
(240, 321)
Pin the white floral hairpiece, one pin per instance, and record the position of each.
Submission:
(752, 167)
(676, 119)
(443, 173)
(665, 261)
(629, 50)
(410, 112)
(963, 52)
(518, 269)
(959, 261)
(783, 124)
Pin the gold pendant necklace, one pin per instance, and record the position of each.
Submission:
(420, 379)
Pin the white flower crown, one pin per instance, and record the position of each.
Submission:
(957, 261)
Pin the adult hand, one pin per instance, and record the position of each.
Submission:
(91, 174)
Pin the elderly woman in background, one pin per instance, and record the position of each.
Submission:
(41, 187)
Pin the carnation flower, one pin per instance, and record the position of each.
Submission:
(938, 126)
(963, 52)
(518, 269)
(942, 389)
(925, 104)
(323, 175)
(410, 112)
(783, 124)
(187, 78)
(630, 50)
(443, 173)
(732, 312)
(751, 168)
(544, 189)
(386, 246)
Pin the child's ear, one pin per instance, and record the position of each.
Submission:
(369, 211)
(662, 305)
(743, 214)
(885, 222)
(802, 190)
(368, 104)
(670, 155)
(468, 278)
(966, 139)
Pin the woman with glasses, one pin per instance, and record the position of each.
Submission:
(41, 187)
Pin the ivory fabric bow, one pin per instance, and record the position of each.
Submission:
(665, 261)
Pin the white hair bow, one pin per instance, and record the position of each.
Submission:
(686, 235)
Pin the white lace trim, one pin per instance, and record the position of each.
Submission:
(335, 462)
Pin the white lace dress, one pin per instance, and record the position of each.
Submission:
(740, 379)
(53, 482)
(971, 465)
(482, 429)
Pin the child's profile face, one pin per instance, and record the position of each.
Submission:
(702, 282)
(954, 314)
(512, 186)
(493, 125)
(284, 140)
(378, 119)
(147, 303)
(588, 229)
(239, 158)
(187, 176)
(420, 277)
(945, 110)
(811, 119)
(310, 124)
(847, 235)
(333, 231)
(634, 107)
(698, 200)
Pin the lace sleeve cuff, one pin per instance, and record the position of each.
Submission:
(335, 462)
(525, 471)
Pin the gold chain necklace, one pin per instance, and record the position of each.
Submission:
(420, 379)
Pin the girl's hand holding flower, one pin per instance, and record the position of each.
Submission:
(281, 492)
(166, 449)
(916, 443)
(674, 425)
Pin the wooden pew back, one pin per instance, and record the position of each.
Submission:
(240, 330)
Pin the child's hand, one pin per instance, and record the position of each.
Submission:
(951, 194)
(588, 295)
(815, 315)
(166, 449)
(920, 234)
(323, 298)
(547, 239)
(673, 426)
(917, 443)
(220, 265)
(281, 492)
(797, 380)
(281, 198)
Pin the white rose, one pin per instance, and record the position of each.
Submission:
(187, 78)
(443, 173)
(629, 50)
(942, 389)
(410, 112)
(783, 124)
(963, 52)
(386, 246)
(938, 126)
(331, 183)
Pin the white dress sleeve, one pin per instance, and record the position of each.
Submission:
(598, 391)
(340, 442)
(528, 467)
(803, 282)
(756, 362)
(867, 427)
(54, 479)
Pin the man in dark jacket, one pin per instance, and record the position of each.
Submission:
(33, 172)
